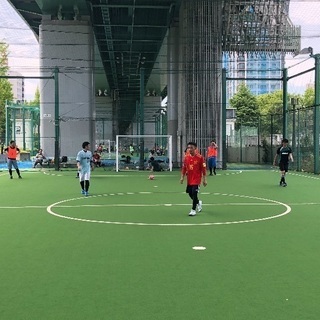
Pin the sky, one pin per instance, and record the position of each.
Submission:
(24, 48)
(306, 14)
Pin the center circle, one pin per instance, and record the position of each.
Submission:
(50, 210)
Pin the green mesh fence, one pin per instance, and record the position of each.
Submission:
(258, 143)
(23, 125)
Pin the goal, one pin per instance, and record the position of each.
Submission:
(133, 152)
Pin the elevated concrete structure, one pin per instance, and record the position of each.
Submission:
(132, 35)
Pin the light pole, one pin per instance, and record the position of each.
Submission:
(316, 111)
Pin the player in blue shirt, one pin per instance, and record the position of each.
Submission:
(85, 165)
(285, 154)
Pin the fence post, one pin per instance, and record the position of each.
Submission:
(259, 140)
(56, 120)
(240, 141)
(285, 103)
(298, 147)
(271, 141)
(224, 119)
(316, 112)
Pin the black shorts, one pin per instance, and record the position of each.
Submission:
(284, 166)
(192, 189)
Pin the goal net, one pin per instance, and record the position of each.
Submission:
(136, 152)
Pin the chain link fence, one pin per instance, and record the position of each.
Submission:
(258, 143)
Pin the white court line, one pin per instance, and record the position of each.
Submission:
(160, 204)
(288, 210)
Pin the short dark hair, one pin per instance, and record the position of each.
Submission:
(192, 144)
(285, 140)
(12, 141)
(86, 143)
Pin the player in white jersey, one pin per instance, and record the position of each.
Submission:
(85, 165)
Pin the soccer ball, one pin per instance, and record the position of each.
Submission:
(151, 177)
(127, 168)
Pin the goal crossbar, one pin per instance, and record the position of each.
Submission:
(137, 136)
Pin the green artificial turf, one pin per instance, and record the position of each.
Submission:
(126, 251)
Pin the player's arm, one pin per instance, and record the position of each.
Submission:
(204, 174)
(291, 157)
(183, 172)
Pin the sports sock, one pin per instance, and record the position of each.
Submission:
(86, 185)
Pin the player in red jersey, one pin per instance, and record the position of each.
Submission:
(195, 167)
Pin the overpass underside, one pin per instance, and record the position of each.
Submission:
(131, 33)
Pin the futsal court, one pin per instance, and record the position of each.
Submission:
(130, 251)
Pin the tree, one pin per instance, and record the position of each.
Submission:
(308, 97)
(246, 106)
(5, 87)
(36, 101)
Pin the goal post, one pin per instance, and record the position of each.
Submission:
(133, 151)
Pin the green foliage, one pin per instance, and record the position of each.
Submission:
(5, 87)
(36, 101)
(246, 106)
(308, 98)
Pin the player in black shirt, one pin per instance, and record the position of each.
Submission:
(285, 154)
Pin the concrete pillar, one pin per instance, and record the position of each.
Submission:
(173, 92)
(68, 45)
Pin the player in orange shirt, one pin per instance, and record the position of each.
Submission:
(195, 165)
(212, 153)
(12, 151)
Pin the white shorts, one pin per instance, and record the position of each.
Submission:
(84, 176)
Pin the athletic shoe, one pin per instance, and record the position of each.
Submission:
(86, 193)
(281, 183)
(215, 173)
(284, 184)
(11, 177)
(20, 177)
(199, 206)
(192, 213)
(82, 191)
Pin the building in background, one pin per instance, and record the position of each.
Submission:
(17, 87)
(254, 65)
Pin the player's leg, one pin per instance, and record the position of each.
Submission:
(86, 183)
(15, 165)
(210, 165)
(10, 168)
(195, 200)
(81, 180)
(189, 191)
(285, 170)
(214, 164)
(282, 173)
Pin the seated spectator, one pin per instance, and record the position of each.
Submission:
(100, 148)
(39, 158)
(96, 158)
(155, 165)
